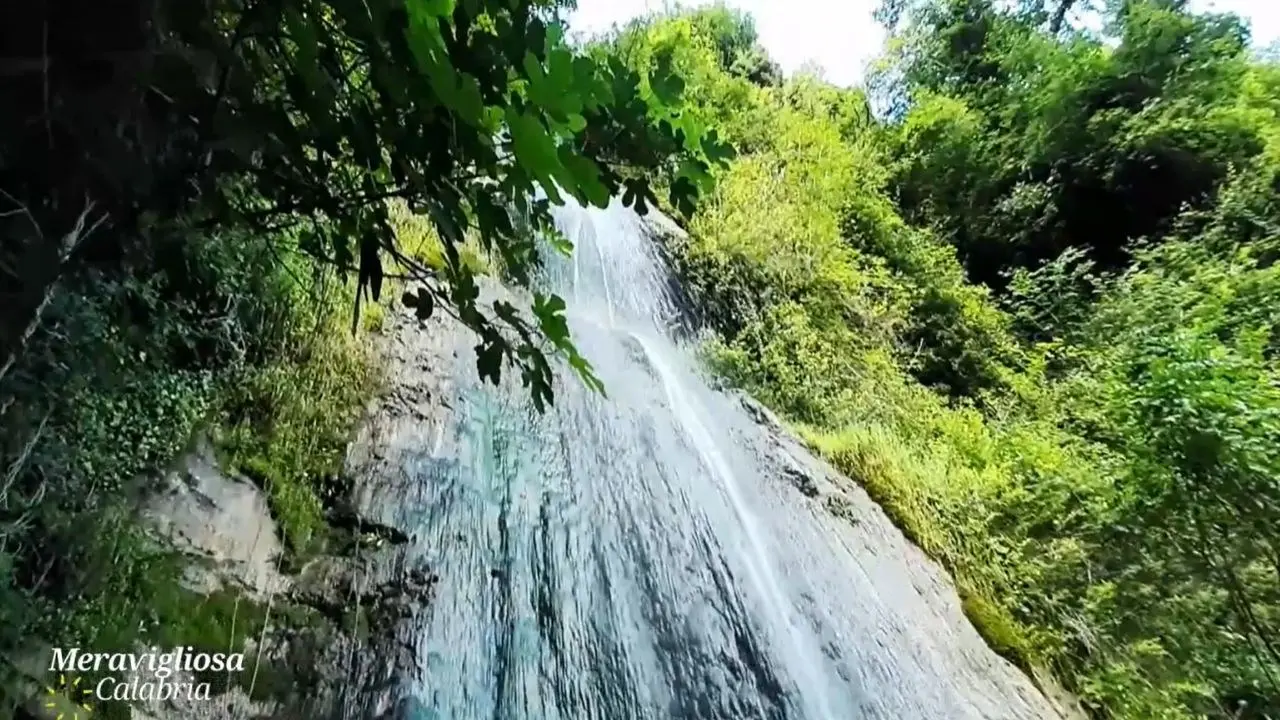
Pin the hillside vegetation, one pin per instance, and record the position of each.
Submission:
(1031, 305)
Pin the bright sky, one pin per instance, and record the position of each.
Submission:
(840, 35)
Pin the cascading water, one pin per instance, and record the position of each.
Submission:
(641, 555)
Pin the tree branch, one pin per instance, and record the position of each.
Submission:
(49, 286)
(1060, 15)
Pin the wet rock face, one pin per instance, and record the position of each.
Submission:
(377, 595)
(793, 462)
(336, 587)
(335, 646)
(798, 477)
(995, 688)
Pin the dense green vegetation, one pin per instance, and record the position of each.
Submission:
(1031, 306)
(188, 190)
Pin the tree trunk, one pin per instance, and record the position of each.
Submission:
(1060, 15)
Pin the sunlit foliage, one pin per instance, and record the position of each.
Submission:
(1033, 310)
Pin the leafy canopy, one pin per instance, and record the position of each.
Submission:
(1019, 144)
(311, 115)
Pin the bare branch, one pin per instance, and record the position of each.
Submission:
(70, 242)
(15, 468)
(22, 210)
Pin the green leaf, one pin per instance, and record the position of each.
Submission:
(468, 102)
(683, 195)
(494, 221)
(667, 86)
(587, 79)
(489, 356)
(423, 302)
(696, 173)
(303, 34)
(551, 320)
(718, 152)
(584, 175)
(423, 34)
(586, 373)
(370, 274)
(533, 147)
(638, 195)
(559, 242)
(438, 8)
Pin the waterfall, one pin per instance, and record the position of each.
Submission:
(647, 554)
